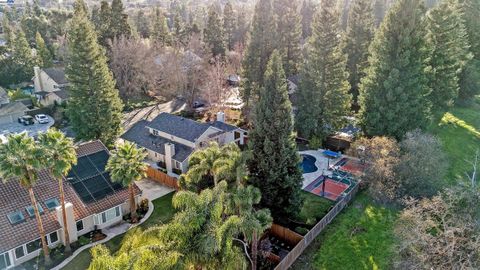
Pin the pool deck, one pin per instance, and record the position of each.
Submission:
(321, 163)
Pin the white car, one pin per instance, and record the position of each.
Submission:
(42, 118)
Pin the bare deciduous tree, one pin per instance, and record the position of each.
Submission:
(214, 87)
(440, 233)
(474, 163)
(132, 63)
(383, 155)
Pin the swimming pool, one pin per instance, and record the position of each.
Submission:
(308, 163)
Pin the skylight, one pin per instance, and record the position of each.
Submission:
(31, 212)
(16, 217)
(52, 204)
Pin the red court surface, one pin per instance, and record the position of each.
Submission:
(333, 189)
(354, 167)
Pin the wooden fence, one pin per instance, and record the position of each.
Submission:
(162, 178)
(285, 234)
(315, 231)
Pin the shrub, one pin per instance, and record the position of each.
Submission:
(83, 240)
(301, 230)
(143, 207)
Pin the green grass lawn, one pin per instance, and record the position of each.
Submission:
(361, 237)
(314, 208)
(162, 213)
(459, 132)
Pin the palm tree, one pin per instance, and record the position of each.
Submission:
(209, 166)
(126, 165)
(20, 159)
(58, 157)
(253, 222)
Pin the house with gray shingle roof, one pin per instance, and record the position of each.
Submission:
(92, 201)
(50, 85)
(170, 139)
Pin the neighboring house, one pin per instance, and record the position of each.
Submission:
(171, 139)
(92, 201)
(50, 85)
(3, 97)
(10, 112)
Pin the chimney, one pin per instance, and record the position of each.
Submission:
(71, 224)
(169, 153)
(221, 117)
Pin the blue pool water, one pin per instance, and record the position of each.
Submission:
(308, 164)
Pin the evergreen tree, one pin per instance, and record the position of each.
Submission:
(229, 25)
(360, 28)
(262, 44)
(22, 57)
(7, 31)
(119, 25)
(470, 78)
(393, 92)
(449, 53)
(43, 54)
(323, 98)
(103, 24)
(289, 35)
(160, 32)
(213, 33)
(94, 108)
(142, 24)
(274, 163)
(307, 11)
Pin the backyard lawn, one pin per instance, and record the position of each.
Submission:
(361, 237)
(314, 208)
(459, 132)
(162, 213)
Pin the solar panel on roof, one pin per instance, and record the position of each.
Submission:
(99, 160)
(89, 179)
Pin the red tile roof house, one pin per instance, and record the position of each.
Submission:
(91, 200)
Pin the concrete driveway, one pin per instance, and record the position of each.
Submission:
(153, 190)
(33, 130)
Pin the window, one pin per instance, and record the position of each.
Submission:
(16, 217)
(108, 215)
(178, 165)
(19, 252)
(33, 246)
(79, 225)
(52, 204)
(53, 237)
(5, 261)
(31, 212)
(236, 135)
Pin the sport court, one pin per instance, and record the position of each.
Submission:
(327, 187)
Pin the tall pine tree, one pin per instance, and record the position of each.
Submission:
(94, 108)
(229, 25)
(393, 93)
(213, 33)
(22, 57)
(323, 98)
(43, 54)
(448, 55)
(261, 46)
(360, 29)
(119, 25)
(470, 78)
(289, 34)
(307, 11)
(274, 164)
(160, 33)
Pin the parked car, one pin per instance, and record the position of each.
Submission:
(26, 120)
(42, 118)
